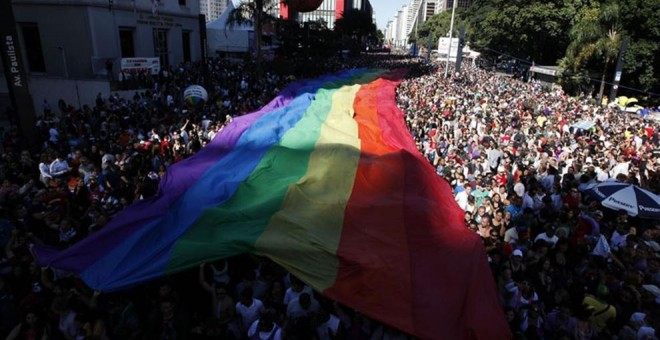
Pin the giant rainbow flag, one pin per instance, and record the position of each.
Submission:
(327, 182)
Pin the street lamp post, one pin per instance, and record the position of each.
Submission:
(451, 31)
(66, 69)
(66, 73)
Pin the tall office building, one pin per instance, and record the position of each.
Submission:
(447, 5)
(412, 15)
(423, 10)
(430, 9)
(212, 9)
(389, 32)
(397, 28)
(402, 26)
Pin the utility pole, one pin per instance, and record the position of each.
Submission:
(429, 44)
(451, 31)
(203, 44)
(66, 68)
(459, 51)
(619, 69)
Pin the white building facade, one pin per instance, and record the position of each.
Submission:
(71, 48)
(401, 36)
(76, 38)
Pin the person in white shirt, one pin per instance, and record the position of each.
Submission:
(54, 135)
(620, 168)
(462, 197)
(297, 288)
(265, 329)
(494, 155)
(212, 132)
(59, 167)
(619, 236)
(601, 170)
(44, 170)
(205, 123)
(249, 309)
(528, 200)
(548, 236)
(329, 326)
(548, 181)
(303, 306)
(511, 235)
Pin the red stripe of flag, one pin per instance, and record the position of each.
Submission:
(406, 257)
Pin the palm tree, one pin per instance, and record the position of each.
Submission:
(257, 13)
(596, 35)
(357, 25)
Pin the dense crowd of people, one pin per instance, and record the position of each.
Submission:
(520, 158)
(95, 160)
(505, 146)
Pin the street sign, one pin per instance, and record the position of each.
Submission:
(443, 46)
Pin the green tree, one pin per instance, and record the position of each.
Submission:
(531, 29)
(380, 38)
(543, 31)
(595, 36)
(438, 26)
(641, 22)
(412, 37)
(255, 12)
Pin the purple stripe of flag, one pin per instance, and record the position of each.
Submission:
(172, 186)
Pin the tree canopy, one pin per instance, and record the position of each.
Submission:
(527, 29)
(582, 36)
(255, 12)
(436, 27)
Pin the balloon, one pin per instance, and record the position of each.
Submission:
(195, 95)
(303, 6)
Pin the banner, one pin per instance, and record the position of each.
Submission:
(140, 65)
(15, 74)
(443, 47)
(546, 71)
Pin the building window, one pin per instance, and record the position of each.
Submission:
(182, 2)
(160, 46)
(186, 46)
(33, 51)
(126, 42)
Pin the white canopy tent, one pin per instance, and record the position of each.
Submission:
(222, 38)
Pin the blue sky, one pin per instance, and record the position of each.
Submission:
(385, 10)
